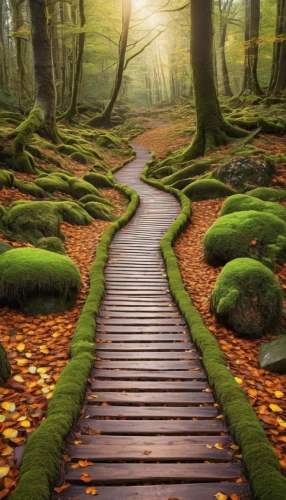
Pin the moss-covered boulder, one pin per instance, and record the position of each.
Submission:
(79, 158)
(5, 368)
(80, 188)
(29, 188)
(107, 141)
(71, 212)
(268, 194)
(91, 197)
(52, 244)
(99, 167)
(257, 235)
(39, 281)
(183, 183)
(186, 173)
(98, 180)
(6, 178)
(33, 220)
(207, 189)
(99, 211)
(161, 172)
(248, 298)
(243, 203)
(272, 356)
(243, 171)
(52, 184)
(5, 247)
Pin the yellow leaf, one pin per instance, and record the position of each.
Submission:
(281, 422)
(21, 347)
(7, 451)
(4, 471)
(22, 361)
(220, 496)
(238, 380)
(32, 369)
(22, 418)
(26, 423)
(42, 370)
(18, 378)
(275, 408)
(91, 491)
(10, 433)
(279, 394)
(209, 446)
(56, 335)
(6, 405)
(2, 418)
(219, 446)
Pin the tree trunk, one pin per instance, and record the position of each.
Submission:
(19, 17)
(224, 11)
(105, 118)
(72, 111)
(252, 23)
(4, 82)
(5, 368)
(278, 80)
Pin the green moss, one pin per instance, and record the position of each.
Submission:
(4, 247)
(268, 194)
(81, 188)
(79, 158)
(100, 167)
(243, 203)
(98, 180)
(33, 220)
(159, 173)
(182, 184)
(5, 368)
(54, 161)
(91, 197)
(74, 214)
(61, 175)
(260, 236)
(91, 152)
(187, 172)
(107, 141)
(207, 189)
(99, 211)
(29, 188)
(67, 150)
(30, 276)
(7, 178)
(35, 151)
(247, 297)
(52, 184)
(52, 244)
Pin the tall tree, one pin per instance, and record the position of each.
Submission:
(278, 73)
(224, 11)
(252, 23)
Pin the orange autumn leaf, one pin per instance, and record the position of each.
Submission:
(62, 488)
(85, 477)
(91, 491)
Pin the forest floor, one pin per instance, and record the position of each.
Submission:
(262, 387)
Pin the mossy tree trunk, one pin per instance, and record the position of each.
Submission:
(252, 24)
(43, 115)
(20, 21)
(72, 111)
(5, 368)
(224, 15)
(105, 118)
(279, 46)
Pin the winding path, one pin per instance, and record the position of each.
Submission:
(151, 427)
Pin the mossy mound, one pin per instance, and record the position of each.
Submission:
(272, 356)
(107, 141)
(61, 175)
(41, 282)
(29, 188)
(268, 194)
(91, 197)
(54, 161)
(98, 180)
(99, 211)
(5, 368)
(79, 158)
(51, 244)
(67, 150)
(162, 172)
(187, 172)
(4, 247)
(207, 189)
(6, 178)
(80, 188)
(243, 203)
(257, 235)
(243, 171)
(74, 214)
(183, 183)
(247, 297)
(52, 184)
(33, 220)
(99, 167)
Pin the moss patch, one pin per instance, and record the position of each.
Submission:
(33, 220)
(91, 197)
(79, 158)
(207, 189)
(243, 203)
(268, 194)
(4, 247)
(80, 188)
(51, 244)
(185, 173)
(99, 211)
(98, 180)
(248, 297)
(52, 184)
(257, 235)
(30, 188)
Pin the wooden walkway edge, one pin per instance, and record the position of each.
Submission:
(151, 428)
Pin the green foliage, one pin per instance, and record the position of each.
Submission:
(52, 184)
(91, 197)
(52, 244)
(98, 180)
(99, 211)
(247, 297)
(29, 188)
(207, 189)
(31, 276)
(268, 194)
(260, 236)
(187, 172)
(5, 368)
(243, 203)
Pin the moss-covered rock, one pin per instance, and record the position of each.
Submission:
(247, 297)
(207, 189)
(5, 247)
(99, 211)
(67, 150)
(29, 188)
(161, 172)
(185, 173)
(6, 178)
(268, 194)
(52, 244)
(52, 184)
(33, 220)
(98, 180)
(91, 197)
(272, 356)
(74, 214)
(183, 183)
(80, 188)
(243, 203)
(257, 235)
(5, 368)
(107, 141)
(40, 281)
(242, 171)
(79, 158)
(99, 167)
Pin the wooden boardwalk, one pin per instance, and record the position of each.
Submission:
(150, 429)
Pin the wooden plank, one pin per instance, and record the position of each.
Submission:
(149, 427)
(149, 365)
(204, 491)
(147, 355)
(142, 329)
(143, 293)
(114, 313)
(98, 452)
(144, 309)
(139, 321)
(180, 398)
(143, 337)
(133, 346)
(148, 375)
(115, 385)
(123, 440)
(132, 473)
(155, 301)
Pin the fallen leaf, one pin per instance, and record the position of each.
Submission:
(4, 471)
(220, 496)
(62, 488)
(85, 478)
(279, 394)
(275, 408)
(238, 380)
(8, 406)
(91, 490)
(147, 452)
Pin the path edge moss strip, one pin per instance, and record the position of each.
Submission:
(259, 456)
(43, 452)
